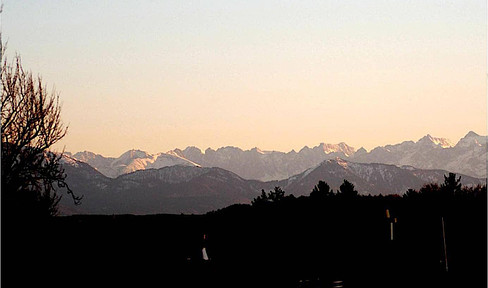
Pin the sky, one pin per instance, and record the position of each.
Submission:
(278, 75)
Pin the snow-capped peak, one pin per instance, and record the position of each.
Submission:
(133, 154)
(177, 153)
(335, 148)
(441, 142)
(66, 159)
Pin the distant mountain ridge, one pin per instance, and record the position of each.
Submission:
(368, 178)
(130, 161)
(468, 157)
(171, 189)
(192, 189)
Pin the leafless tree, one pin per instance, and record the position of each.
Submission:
(31, 124)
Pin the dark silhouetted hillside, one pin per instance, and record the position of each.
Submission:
(281, 241)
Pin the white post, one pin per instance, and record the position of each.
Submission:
(444, 243)
(204, 251)
(204, 254)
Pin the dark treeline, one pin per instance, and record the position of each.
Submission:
(343, 235)
(439, 240)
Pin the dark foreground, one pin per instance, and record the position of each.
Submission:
(300, 243)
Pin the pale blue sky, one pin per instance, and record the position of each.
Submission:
(280, 75)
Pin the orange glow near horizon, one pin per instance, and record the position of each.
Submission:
(273, 74)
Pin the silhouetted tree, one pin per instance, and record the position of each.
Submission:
(321, 190)
(346, 190)
(31, 124)
(478, 191)
(451, 185)
(271, 197)
(411, 194)
(260, 199)
(430, 190)
(277, 195)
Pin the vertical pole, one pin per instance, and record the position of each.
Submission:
(391, 223)
(444, 243)
(391, 231)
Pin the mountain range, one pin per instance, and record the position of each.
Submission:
(468, 157)
(192, 181)
(172, 189)
(194, 189)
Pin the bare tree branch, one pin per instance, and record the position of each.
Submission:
(31, 124)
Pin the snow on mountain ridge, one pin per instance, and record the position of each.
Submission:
(169, 174)
(468, 156)
(67, 159)
(441, 142)
(336, 148)
(131, 161)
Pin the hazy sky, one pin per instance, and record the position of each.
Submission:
(157, 75)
